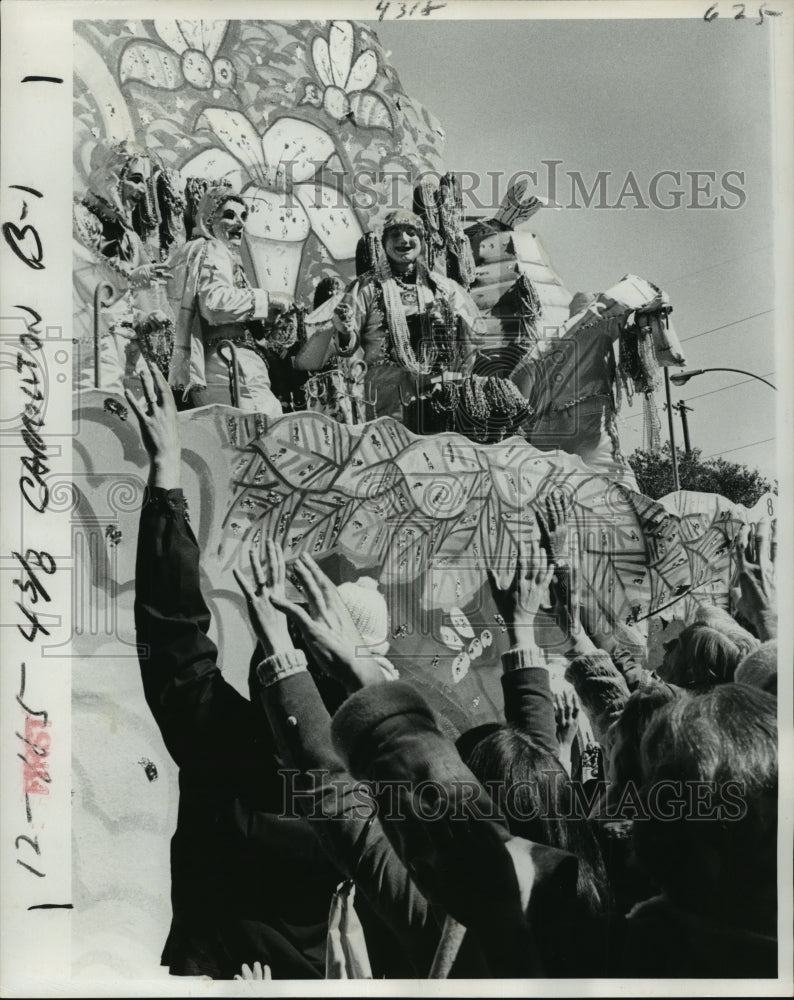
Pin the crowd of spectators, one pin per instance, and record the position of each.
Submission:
(356, 835)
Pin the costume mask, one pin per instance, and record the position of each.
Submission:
(403, 245)
(134, 179)
(228, 223)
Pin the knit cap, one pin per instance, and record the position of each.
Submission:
(367, 607)
(759, 668)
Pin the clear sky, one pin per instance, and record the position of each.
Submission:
(641, 96)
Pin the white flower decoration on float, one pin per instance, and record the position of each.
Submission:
(344, 92)
(276, 173)
(191, 56)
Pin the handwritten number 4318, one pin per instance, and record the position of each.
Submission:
(712, 12)
(407, 9)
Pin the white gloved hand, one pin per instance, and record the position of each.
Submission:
(517, 206)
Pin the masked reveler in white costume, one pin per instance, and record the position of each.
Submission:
(110, 223)
(214, 301)
(389, 314)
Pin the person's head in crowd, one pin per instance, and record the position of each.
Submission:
(707, 651)
(535, 794)
(370, 615)
(625, 734)
(759, 668)
(709, 767)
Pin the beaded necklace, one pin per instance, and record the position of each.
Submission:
(408, 286)
(396, 321)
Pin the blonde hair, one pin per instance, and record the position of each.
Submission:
(710, 649)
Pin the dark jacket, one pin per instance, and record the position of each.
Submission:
(341, 812)
(528, 707)
(447, 830)
(387, 733)
(246, 885)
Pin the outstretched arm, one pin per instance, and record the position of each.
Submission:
(200, 716)
(318, 784)
(330, 632)
(597, 681)
(525, 678)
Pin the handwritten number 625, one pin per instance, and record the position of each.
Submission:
(713, 12)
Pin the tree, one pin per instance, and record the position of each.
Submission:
(738, 483)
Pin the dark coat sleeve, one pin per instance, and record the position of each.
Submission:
(203, 720)
(530, 707)
(339, 809)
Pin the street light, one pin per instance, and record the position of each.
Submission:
(684, 377)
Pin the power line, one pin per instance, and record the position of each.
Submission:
(752, 444)
(729, 260)
(726, 325)
(711, 392)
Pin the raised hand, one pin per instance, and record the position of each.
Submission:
(520, 601)
(517, 206)
(280, 302)
(256, 971)
(269, 575)
(159, 424)
(327, 628)
(144, 275)
(346, 337)
(566, 712)
(565, 598)
(554, 526)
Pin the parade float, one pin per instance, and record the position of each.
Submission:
(308, 110)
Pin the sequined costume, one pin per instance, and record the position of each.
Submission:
(214, 301)
(432, 304)
(108, 249)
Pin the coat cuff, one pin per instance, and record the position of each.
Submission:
(260, 305)
(520, 659)
(275, 668)
(167, 501)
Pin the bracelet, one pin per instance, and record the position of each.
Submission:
(280, 665)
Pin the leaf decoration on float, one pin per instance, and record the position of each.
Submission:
(432, 513)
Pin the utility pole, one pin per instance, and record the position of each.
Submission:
(671, 429)
(683, 409)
